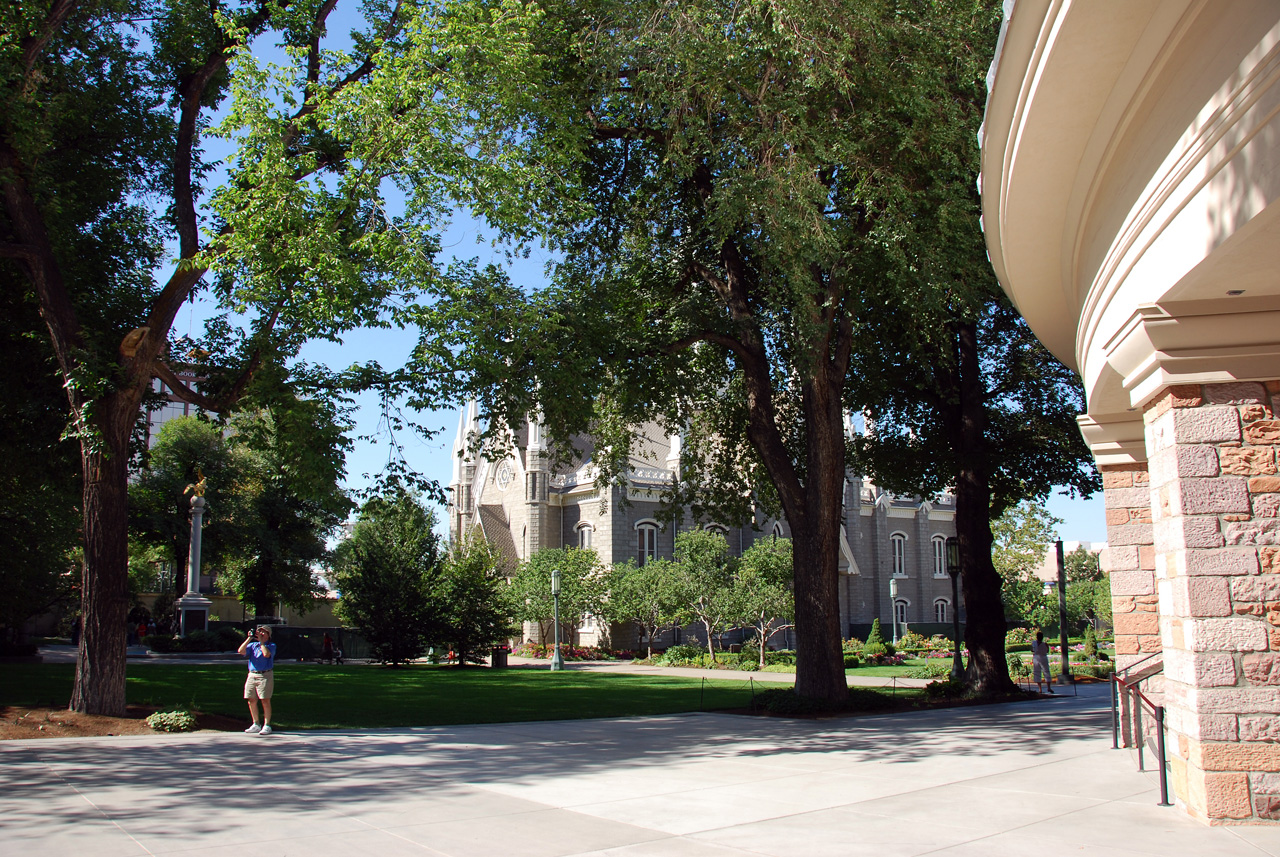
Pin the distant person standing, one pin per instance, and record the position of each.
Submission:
(1040, 662)
(326, 648)
(259, 684)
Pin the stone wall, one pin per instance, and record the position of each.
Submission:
(1131, 562)
(1216, 498)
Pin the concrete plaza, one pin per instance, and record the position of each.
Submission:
(1036, 778)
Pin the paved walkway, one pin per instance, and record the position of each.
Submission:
(1029, 779)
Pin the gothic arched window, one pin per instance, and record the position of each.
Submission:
(899, 544)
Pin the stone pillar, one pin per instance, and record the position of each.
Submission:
(1132, 565)
(1215, 497)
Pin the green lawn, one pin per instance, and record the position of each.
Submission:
(313, 697)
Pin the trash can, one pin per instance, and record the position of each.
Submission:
(498, 658)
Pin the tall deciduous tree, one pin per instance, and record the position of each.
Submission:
(288, 501)
(959, 393)
(104, 106)
(39, 494)
(472, 592)
(387, 576)
(723, 180)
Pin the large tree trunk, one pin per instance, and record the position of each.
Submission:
(815, 531)
(100, 661)
(984, 624)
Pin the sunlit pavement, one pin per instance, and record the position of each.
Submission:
(1036, 778)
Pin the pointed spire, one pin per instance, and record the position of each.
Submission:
(459, 444)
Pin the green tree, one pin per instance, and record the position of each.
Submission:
(645, 595)
(39, 493)
(289, 499)
(472, 592)
(387, 574)
(762, 590)
(724, 180)
(1023, 536)
(582, 581)
(959, 393)
(186, 449)
(704, 574)
(272, 498)
(105, 106)
(1082, 565)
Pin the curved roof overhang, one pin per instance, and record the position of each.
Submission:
(1129, 157)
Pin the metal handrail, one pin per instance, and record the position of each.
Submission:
(1120, 685)
(1139, 662)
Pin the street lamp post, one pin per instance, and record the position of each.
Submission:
(1065, 675)
(557, 661)
(893, 605)
(953, 569)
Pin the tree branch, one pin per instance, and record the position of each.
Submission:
(180, 388)
(31, 48)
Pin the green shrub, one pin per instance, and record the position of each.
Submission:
(852, 646)
(172, 721)
(866, 699)
(912, 640)
(1100, 670)
(162, 643)
(851, 661)
(682, 655)
(934, 670)
(947, 688)
(779, 668)
(1018, 668)
(229, 639)
(1017, 637)
(18, 650)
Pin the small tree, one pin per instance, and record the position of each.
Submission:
(387, 574)
(1082, 565)
(875, 645)
(581, 588)
(1090, 643)
(704, 582)
(472, 593)
(646, 595)
(762, 590)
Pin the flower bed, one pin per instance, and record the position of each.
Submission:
(572, 653)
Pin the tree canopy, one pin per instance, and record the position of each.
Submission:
(723, 182)
(388, 575)
(114, 213)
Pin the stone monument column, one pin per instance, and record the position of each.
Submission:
(194, 606)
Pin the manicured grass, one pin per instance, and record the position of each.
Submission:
(900, 670)
(314, 697)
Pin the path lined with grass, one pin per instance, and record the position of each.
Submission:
(313, 697)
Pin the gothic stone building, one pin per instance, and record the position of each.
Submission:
(523, 504)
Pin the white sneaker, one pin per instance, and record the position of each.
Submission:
(254, 729)
(265, 730)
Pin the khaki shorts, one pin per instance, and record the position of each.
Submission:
(259, 685)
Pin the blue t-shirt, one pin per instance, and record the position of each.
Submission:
(260, 656)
